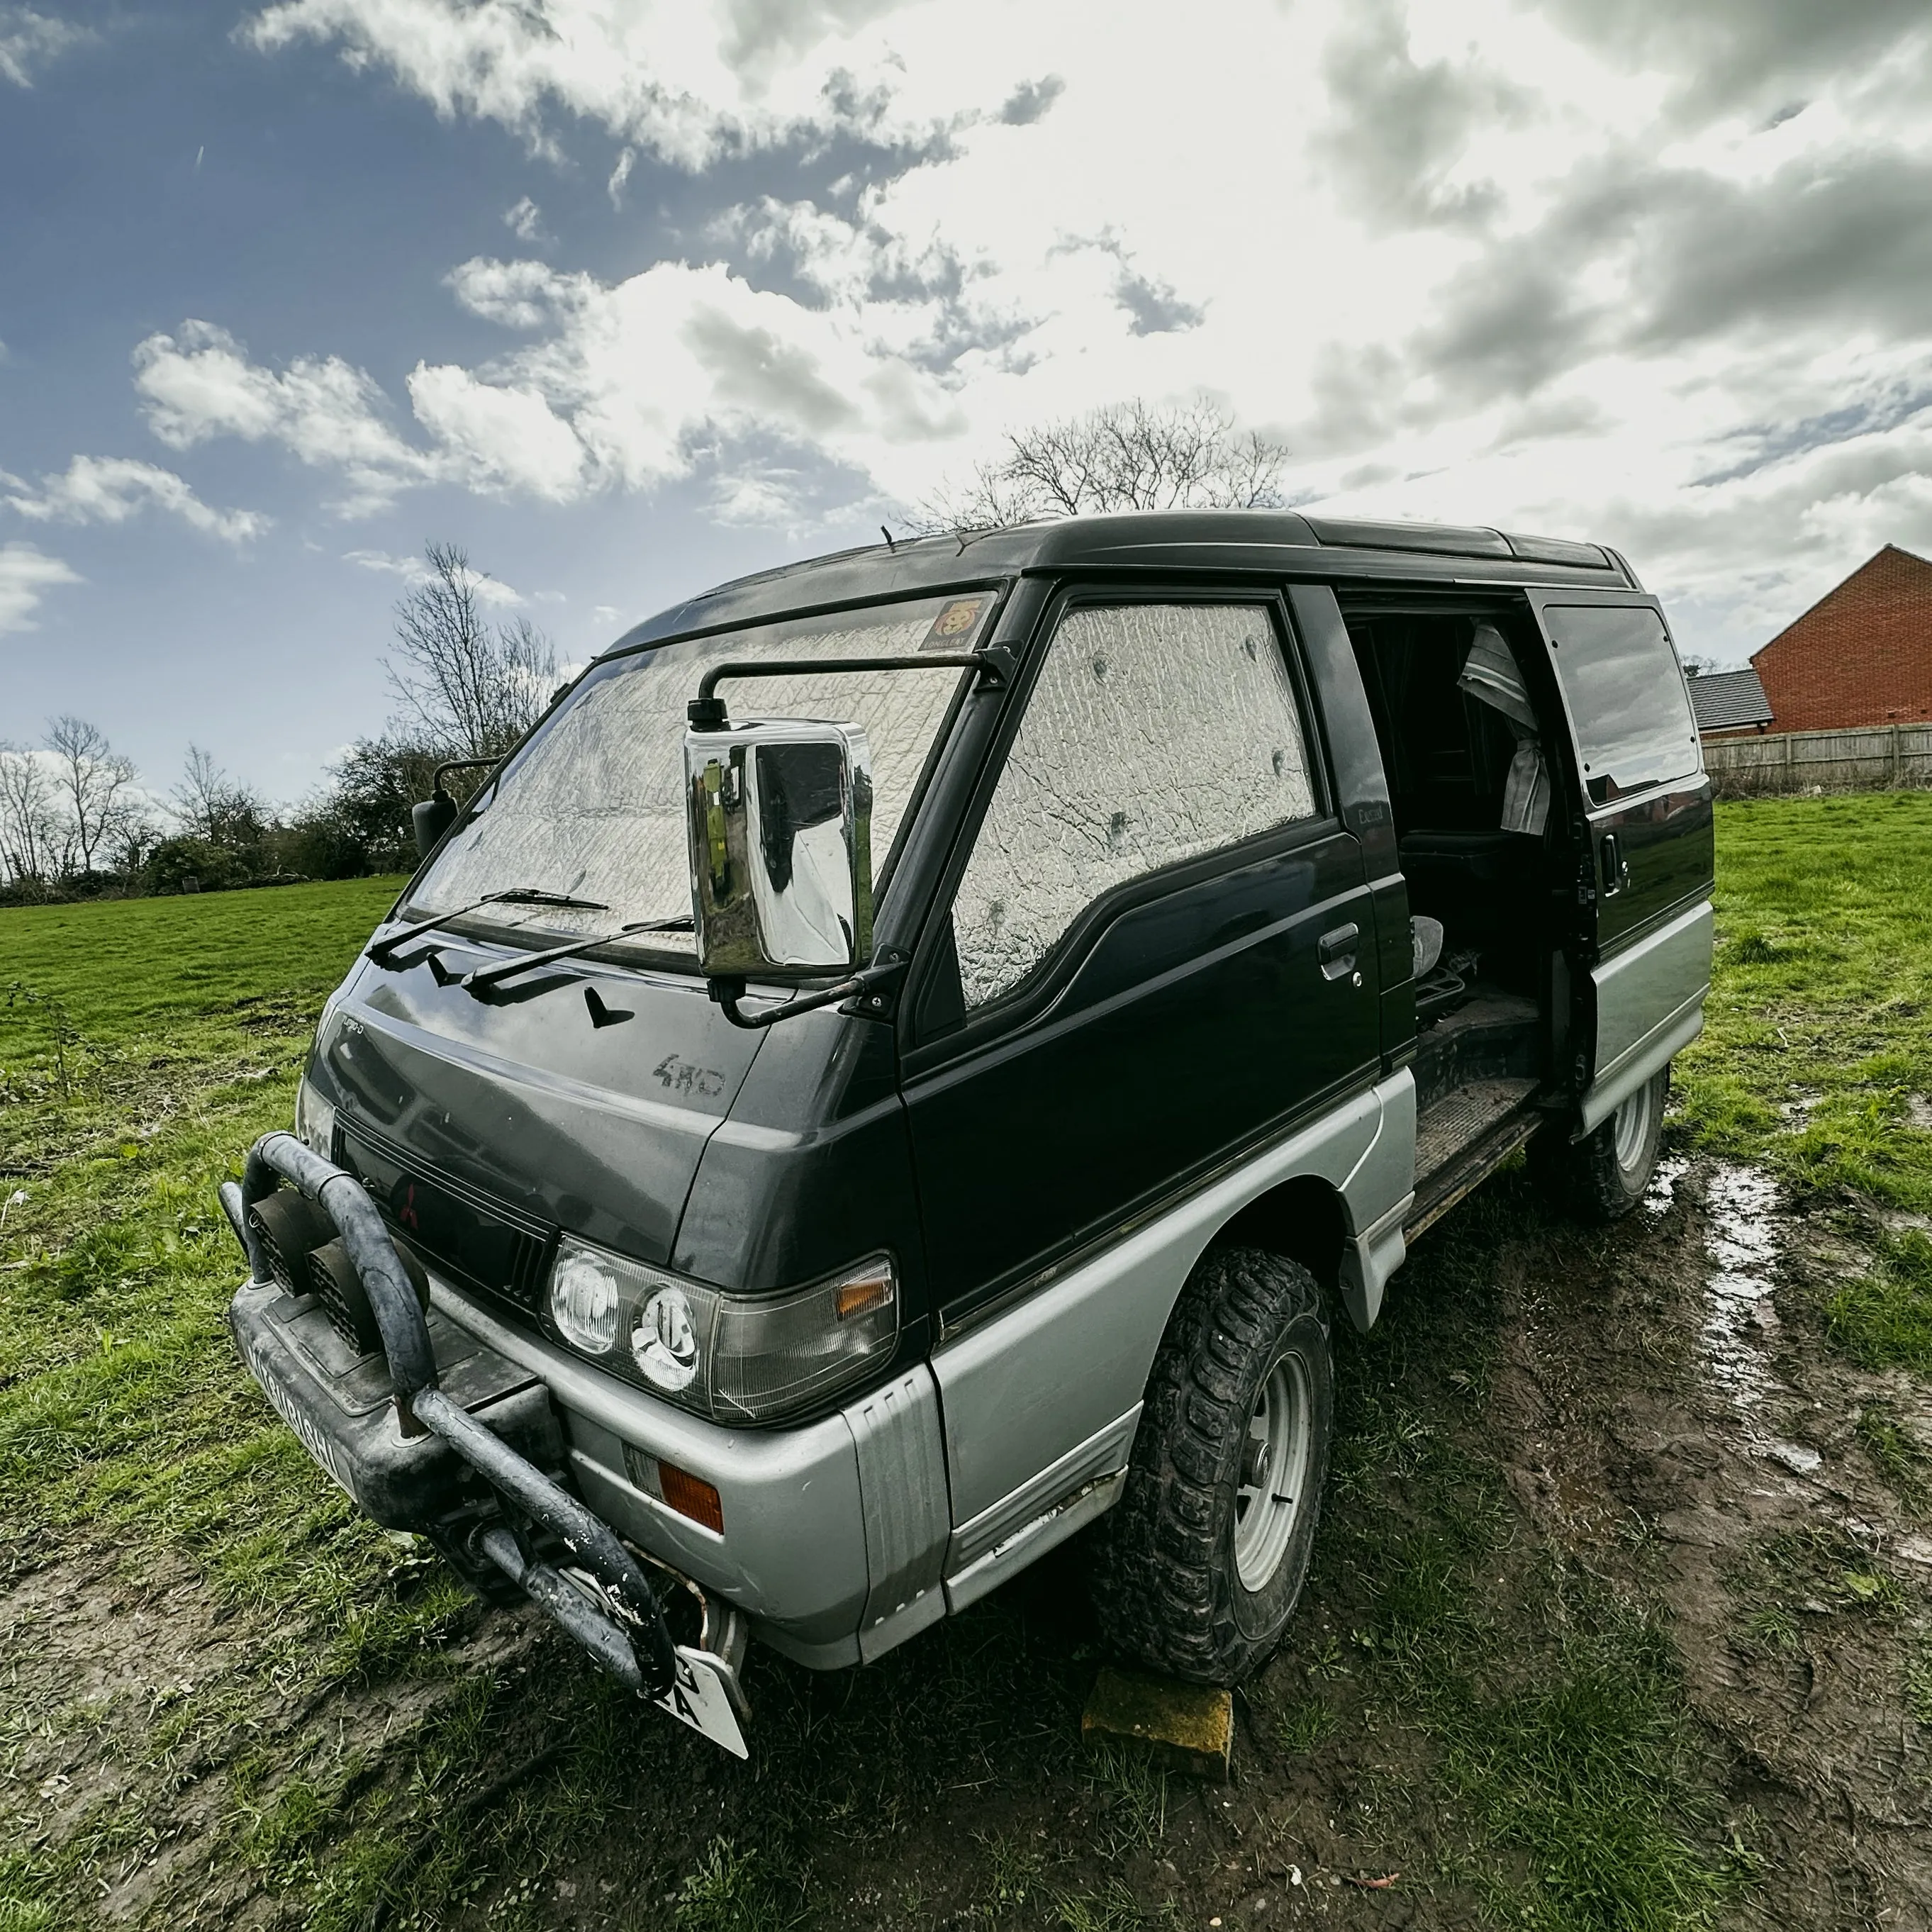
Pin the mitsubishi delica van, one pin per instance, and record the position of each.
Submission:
(912, 1056)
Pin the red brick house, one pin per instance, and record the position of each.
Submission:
(1861, 655)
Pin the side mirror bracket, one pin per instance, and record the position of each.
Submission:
(726, 992)
(433, 817)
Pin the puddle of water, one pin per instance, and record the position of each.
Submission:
(1658, 1196)
(1741, 1238)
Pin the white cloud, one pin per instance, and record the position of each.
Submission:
(1495, 263)
(412, 572)
(685, 81)
(26, 575)
(518, 295)
(619, 174)
(499, 435)
(111, 489)
(525, 221)
(200, 383)
(29, 40)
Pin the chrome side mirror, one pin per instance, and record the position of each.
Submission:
(780, 815)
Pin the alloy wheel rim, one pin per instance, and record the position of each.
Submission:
(1273, 1475)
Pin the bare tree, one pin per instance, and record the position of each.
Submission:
(196, 799)
(30, 829)
(98, 789)
(1126, 457)
(214, 807)
(464, 683)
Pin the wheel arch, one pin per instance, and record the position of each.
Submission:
(1304, 1219)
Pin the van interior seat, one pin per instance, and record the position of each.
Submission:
(1481, 885)
(1462, 858)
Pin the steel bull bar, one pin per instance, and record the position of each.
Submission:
(632, 1642)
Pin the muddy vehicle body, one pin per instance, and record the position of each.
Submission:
(906, 1059)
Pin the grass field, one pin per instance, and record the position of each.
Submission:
(233, 1702)
(1819, 1037)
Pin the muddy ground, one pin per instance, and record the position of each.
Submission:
(1671, 1415)
(1632, 1447)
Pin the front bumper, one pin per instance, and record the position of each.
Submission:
(435, 1432)
(834, 1533)
(793, 1554)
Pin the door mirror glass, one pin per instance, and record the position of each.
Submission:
(781, 819)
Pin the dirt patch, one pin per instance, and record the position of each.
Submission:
(150, 1724)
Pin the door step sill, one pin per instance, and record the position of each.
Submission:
(1462, 1139)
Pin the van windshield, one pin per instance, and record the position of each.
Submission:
(592, 808)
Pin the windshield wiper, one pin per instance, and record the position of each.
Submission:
(485, 976)
(517, 895)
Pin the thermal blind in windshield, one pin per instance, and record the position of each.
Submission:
(594, 806)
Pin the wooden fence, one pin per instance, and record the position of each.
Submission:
(1877, 758)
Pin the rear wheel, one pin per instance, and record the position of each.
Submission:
(1201, 1563)
(1602, 1177)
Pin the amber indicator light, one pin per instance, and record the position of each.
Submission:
(863, 1296)
(690, 1495)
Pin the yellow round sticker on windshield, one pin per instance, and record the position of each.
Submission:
(955, 620)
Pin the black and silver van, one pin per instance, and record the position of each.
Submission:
(909, 1057)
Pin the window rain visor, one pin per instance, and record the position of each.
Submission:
(593, 806)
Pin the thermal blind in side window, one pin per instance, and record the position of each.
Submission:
(1634, 722)
(1156, 732)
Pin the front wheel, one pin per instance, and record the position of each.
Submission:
(1601, 1177)
(1202, 1561)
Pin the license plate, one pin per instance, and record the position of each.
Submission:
(311, 1438)
(698, 1698)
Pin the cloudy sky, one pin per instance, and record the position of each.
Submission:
(632, 296)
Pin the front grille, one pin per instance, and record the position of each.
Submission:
(477, 1241)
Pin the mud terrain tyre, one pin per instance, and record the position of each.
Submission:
(1601, 1177)
(1201, 1561)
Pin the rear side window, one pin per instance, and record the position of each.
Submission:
(1627, 696)
(1155, 732)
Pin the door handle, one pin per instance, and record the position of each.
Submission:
(1336, 951)
(1616, 867)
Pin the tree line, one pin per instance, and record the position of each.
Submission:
(76, 820)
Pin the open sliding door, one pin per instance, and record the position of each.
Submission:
(1649, 808)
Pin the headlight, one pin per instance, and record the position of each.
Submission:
(315, 1120)
(736, 1358)
(583, 1302)
(665, 1342)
